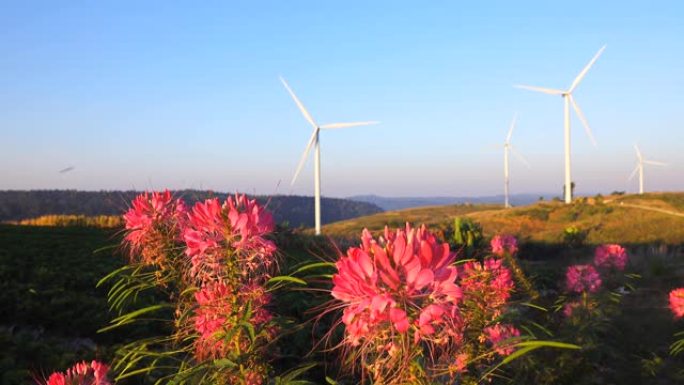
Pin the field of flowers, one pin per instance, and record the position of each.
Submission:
(215, 293)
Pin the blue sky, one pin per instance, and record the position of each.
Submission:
(153, 95)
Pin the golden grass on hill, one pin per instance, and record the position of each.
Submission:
(101, 221)
(648, 218)
(430, 215)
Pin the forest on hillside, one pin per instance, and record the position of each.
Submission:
(291, 209)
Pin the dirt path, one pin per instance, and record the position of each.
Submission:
(670, 212)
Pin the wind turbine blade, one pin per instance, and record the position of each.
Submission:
(306, 114)
(581, 75)
(549, 91)
(304, 155)
(655, 163)
(638, 153)
(351, 124)
(510, 130)
(490, 147)
(519, 156)
(633, 174)
(580, 114)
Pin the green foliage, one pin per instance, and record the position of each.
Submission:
(51, 310)
(466, 235)
(677, 346)
(539, 212)
(574, 237)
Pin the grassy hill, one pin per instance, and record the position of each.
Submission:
(648, 218)
(432, 215)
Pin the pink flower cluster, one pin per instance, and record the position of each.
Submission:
(401, 282)
(677, 302)
(82, 373)
(489, 285)
(504, 244)
(219, 309)
(582, 278)
(403, 296)
(150, 222)
(570, 307)
(230, 259)
(500, 336)
(610, 256)
(238, 224)
(585, 278)
(223, 252)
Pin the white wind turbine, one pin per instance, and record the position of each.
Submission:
(314, 141)
(640, 168)
(509, 147)
(568, 100)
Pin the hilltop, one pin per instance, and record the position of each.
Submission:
(648, 218)
(400, 203)
(295, 210)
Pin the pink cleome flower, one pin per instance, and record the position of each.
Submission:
(582, 278)
(399, 282)
(238, 225)
(610, 255)
(254, 378)
(499, 335)
(489, 285)
(571, 307)
(460, 364)
(219, 307)
(82, 373)
(677, 302)
(152, 220)
(504, 244)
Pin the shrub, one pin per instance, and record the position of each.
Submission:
(466, 235)
(573, 236)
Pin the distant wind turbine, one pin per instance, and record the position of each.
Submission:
(568, 100)
(509, 147)
(640, 168)
(314, 141)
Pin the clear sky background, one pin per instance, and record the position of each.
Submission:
(153, 95)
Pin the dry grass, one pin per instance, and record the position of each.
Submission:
(648, 218)
(432, 215)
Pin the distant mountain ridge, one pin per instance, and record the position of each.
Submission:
(400, 203)
(293, 209)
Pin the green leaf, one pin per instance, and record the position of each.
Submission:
(528, 304)
(549, 344)
(517, 354)
(313, 266)
(130, 317)
(542, 328)
(112, 274)
(290, 378)
(224, 363)
(286, 278)
(462, 261)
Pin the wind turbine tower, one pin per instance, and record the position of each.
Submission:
(508, 147)
(567, 101)
(314, 141)
(640, 168)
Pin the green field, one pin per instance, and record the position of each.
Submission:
(52, 311)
